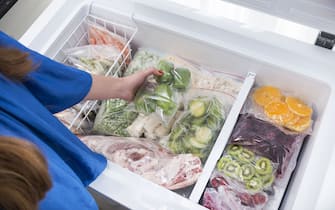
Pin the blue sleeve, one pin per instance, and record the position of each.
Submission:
(55, 85)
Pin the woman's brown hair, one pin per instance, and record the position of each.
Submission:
(15, 64)
(24, 176)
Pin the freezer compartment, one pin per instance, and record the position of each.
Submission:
(202, 49)
(80, 119)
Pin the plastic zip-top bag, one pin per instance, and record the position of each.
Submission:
(95, 59)
(148, 159)
(98, 35)
(242, 168)
(222, 194)
(197, 128)
(113, 118)
(119, 117)
(285, 110)
(162, 94)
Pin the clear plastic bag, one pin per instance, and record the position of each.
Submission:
(206, 78)
(162, 94)
(284, 110)
(157, 98)
(113, 118)
(150, 126)
(246, 170)
(148, 159)
(196, 130)
(267, 140)
(98, 35)
(143, 59)
(222, 194)
(114, 115)
(96, 59)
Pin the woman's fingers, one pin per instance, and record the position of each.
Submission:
(153, 71)
(158, 73)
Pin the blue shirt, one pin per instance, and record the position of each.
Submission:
(26, 111)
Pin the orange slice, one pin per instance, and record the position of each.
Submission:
(266, 94)
(302, 124)
(279, 112)
(293, 120)
(298, 107)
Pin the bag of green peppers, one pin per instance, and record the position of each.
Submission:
(162, 94)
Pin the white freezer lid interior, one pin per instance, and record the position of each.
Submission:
(318, 14)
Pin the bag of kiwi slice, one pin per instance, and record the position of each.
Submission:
(240, 165)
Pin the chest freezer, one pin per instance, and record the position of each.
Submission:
(261, 57)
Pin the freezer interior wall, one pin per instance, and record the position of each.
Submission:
(150, 36)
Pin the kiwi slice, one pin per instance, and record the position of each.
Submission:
(254, 184)
(246, 172)
(268, 180)
(234, 150)
(263, 166)
(222, 162)
(231, 169)
(246, 156)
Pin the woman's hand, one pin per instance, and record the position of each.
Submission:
(125, 88)
(133, 82)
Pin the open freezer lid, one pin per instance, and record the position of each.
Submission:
(318, 14)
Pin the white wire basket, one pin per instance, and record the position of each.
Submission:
(79, 119)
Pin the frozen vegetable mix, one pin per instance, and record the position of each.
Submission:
(196, 131)
(113, 118)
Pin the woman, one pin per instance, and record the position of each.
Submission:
(24, 176)
(32, 88)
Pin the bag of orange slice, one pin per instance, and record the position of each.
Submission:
(269, 103)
